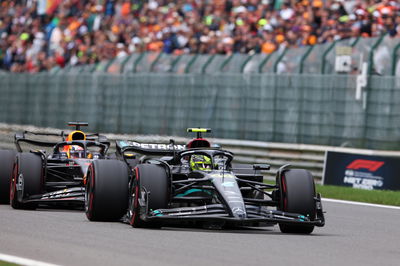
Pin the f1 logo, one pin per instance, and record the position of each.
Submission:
(366, 164)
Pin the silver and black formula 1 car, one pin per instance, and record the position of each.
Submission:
(196, 184)
(54, 178)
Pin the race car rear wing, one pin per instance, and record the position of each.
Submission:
(158, 149)
(23, 136)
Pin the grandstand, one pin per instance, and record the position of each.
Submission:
(39, 35)
(313, 72)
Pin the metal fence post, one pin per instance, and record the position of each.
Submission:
(355, 41)
(279, 59)
(226, 61)
(368, 91)
(93, 68)
(304, 57)
(325, 54)
(263, 62)
(137, 61)
(372, 52)
(155, 62)
(174, 63)
(124, 63)
(204, 68)
(394, 59)
(245, 63)
(109, 64)
(191, 62)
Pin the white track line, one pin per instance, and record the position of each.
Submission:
(361, 203)
(23, 261)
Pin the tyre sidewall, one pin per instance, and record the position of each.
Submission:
(106, 196)
(297, 196)
(27, 179)
(7, 158)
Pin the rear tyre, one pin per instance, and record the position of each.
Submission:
(106, 195)
(154, 180)
(27, 180)
(6, 167)
(297, 196)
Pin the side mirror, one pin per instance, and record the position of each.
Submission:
(261, 166)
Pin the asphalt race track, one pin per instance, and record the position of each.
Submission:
(353, 235)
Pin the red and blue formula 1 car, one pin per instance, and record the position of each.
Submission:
(36, 177)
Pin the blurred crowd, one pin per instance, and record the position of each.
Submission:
(37, 35)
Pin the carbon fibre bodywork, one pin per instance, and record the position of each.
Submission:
(227, 194)
(61, 179)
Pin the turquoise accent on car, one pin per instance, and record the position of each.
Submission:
(193, 190)
(157, 213)
(302, 218)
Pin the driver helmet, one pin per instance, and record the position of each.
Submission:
(76, 151)
(200, 162)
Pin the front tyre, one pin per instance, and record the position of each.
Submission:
(297, 196)
(152, 179)
(106, 195)
(6, 167)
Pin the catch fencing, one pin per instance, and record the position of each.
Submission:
(310, 157)
(290, 108)
(345, 93)
(381, 53)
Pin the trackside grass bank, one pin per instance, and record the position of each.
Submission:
(3, 263)
(386, 197)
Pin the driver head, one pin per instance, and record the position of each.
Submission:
(200, 162)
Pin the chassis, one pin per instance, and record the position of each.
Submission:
(54, 178)
(159, 189)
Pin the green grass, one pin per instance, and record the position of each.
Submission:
(386, 197)
(3, 263)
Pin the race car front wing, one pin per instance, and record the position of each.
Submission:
(74, 195)
(218, 213)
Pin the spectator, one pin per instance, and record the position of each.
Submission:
(37, 35)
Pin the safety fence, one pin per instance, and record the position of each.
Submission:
(344, 56)
(289, 108)
(310, 157)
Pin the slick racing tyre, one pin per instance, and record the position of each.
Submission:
(106, 195)
(152, 179)
(297, 196)
(6, 166)
(27, 180)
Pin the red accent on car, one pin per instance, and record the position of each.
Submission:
(366, 164)
(13, 182)
(199, 143)
(284, 192)
(136, 199)
(91, 194)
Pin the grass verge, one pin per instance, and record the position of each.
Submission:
(4, 263)
(386, 197)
